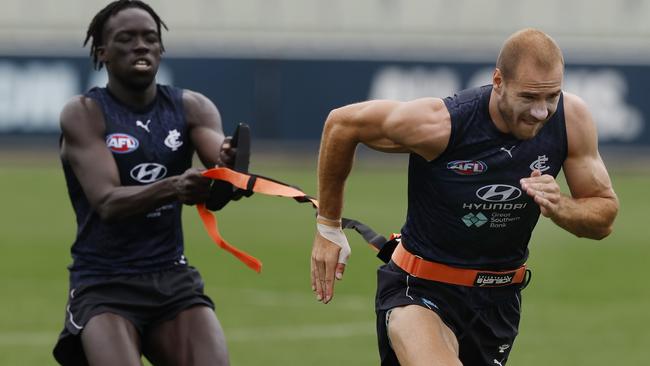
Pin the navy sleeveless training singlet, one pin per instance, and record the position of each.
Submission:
(466, 208)
(147, 146)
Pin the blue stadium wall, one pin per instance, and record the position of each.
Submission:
(289, 99)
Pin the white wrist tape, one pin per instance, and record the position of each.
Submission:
(336, 236)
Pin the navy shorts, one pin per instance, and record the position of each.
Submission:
(484, 320)
(144, 299)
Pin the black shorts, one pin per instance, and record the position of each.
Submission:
(144, 299)
(484, 320)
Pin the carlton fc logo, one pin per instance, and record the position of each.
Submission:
(172, 140)
(467, 167)
(121, 143)
(540, 164)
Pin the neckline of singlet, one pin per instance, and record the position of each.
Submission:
(148, 108)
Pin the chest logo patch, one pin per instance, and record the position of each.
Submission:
(143, 125)
(467, 167)
(508, 151)
(540, 164)
(148, 172)
(498, 193)
(171, 141)
(121, 143)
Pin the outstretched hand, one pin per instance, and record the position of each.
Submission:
(325, 267)
(544, 190)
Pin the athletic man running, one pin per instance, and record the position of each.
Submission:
(482, 168)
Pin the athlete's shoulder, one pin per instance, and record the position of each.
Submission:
(422, 107)
(79, 107)
(199, 109)
(576, 113)
(580, 126)
(81, 113)
(193, 99)
(471, 96)
(575, 108)
(465, 103)
(424, 124)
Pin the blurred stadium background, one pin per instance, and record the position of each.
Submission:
(281, 65)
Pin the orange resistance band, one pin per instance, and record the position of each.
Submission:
(253, 183)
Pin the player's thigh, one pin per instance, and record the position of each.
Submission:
(110, 339)
(193, 337)
(419, 337)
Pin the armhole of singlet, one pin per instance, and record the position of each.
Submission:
(565, 136)
(452, 133)
(98, 95)
(177, 97)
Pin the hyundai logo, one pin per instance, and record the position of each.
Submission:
(498, 193)
(148, 172)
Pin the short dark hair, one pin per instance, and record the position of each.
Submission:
(96, 27)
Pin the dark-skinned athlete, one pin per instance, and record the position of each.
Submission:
(127, 152)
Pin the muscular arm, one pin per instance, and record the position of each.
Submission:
(422, 126)
(206, 132)
(592, 207)
(83, 146)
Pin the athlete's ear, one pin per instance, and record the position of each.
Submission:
(100, 52)
(497, 79)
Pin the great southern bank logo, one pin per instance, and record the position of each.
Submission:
(467, 167)
(477, 220)
(498, 193)
(121, 143)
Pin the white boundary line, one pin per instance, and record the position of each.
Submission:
(243, 334)
(301, 332)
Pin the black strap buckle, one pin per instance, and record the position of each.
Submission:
(527, 277)
(222, 192)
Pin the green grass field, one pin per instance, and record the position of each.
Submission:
(587, 304)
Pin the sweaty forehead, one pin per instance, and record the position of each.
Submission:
(130, 19)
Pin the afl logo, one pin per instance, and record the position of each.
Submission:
(498, 193)
(148, 172)
(467, 167)
(121, 143)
